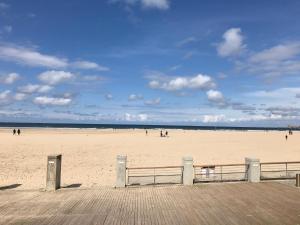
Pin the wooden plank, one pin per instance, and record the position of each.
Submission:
(226, 204)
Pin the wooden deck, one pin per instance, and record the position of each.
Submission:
(234, 203)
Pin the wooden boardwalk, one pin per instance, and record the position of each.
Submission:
(234, 203)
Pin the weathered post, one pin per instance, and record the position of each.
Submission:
(53, 172)
(252, 169)
(297, 180)
(121, 171)
(188, 170)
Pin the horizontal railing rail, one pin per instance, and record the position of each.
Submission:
(154, 175)
(279, 170)
(220, 173)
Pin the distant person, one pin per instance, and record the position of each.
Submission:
(14, 131)
(19, 131)
(146, 132)
(166, 133)
(286, 137)
(161, 134)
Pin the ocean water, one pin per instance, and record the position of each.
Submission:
(135, 126)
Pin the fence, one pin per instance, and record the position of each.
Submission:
(154, 175)
(279, 170)
(220, 173)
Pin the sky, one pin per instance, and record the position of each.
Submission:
(192, 62)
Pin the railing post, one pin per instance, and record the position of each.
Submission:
(253, 172)
(188, 170)
(297, 180)
(121, 171)
(53, 172)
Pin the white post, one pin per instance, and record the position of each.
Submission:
(253, 169)
(121, 171)
(188, 170)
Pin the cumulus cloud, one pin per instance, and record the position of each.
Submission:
(153, 102)
(35, 88)
(51, 101)
(54, 77)
(199, 81)
(9, 78)
(232, 44)
(215, 96)
(135, 97)
(88, 65)
(147, 4)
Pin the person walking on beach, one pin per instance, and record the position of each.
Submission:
(286, 137)
(14, 131)
(166, 133)
(161, 134)
(146, 132)
(19, 131)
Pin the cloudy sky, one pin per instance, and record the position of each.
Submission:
(195, 62)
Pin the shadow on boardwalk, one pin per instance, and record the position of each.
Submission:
(12, 186)
(230, 203)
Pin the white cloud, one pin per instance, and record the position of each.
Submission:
(213, 118)
(276, 53)
(108, 97)
(44, 100)
(186, 41)
(4, 6)
(155, 101)
(135, 117)
(33, 88)
(5, 97)
(278, 60)
(199, 81)
(9, 78)
(135, 97)
(20, 96)
(232, 43)
(89, 65)
(158, 4)
(215, 96)
(30, 57)
(280, 93)
(54, 77)
(147, 4)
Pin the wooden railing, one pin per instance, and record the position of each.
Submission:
(154, 175)
(279, 170)
(220, 173)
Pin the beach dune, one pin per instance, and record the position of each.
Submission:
(89, 155)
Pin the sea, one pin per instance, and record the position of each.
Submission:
(136, 126)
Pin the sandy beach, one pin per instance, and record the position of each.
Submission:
(89, 155)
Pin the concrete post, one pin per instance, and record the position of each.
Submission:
(252, 169)
(121, 171)
(188, 170)
(53, 172)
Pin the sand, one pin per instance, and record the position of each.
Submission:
(89, 155)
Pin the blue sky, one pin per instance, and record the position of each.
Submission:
(150, 61)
